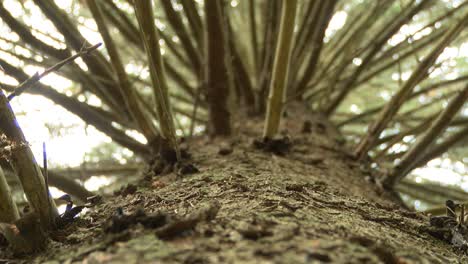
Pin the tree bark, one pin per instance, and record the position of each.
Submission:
(25, 166)
(217, 76)
(8, 210)
(313, 204)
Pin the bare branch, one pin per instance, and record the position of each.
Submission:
(37, 77)
(395, 103)
(416, 152)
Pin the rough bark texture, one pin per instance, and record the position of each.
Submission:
(313, 205)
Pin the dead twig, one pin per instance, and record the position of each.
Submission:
(36, 77)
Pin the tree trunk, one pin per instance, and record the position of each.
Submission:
(315, 204)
